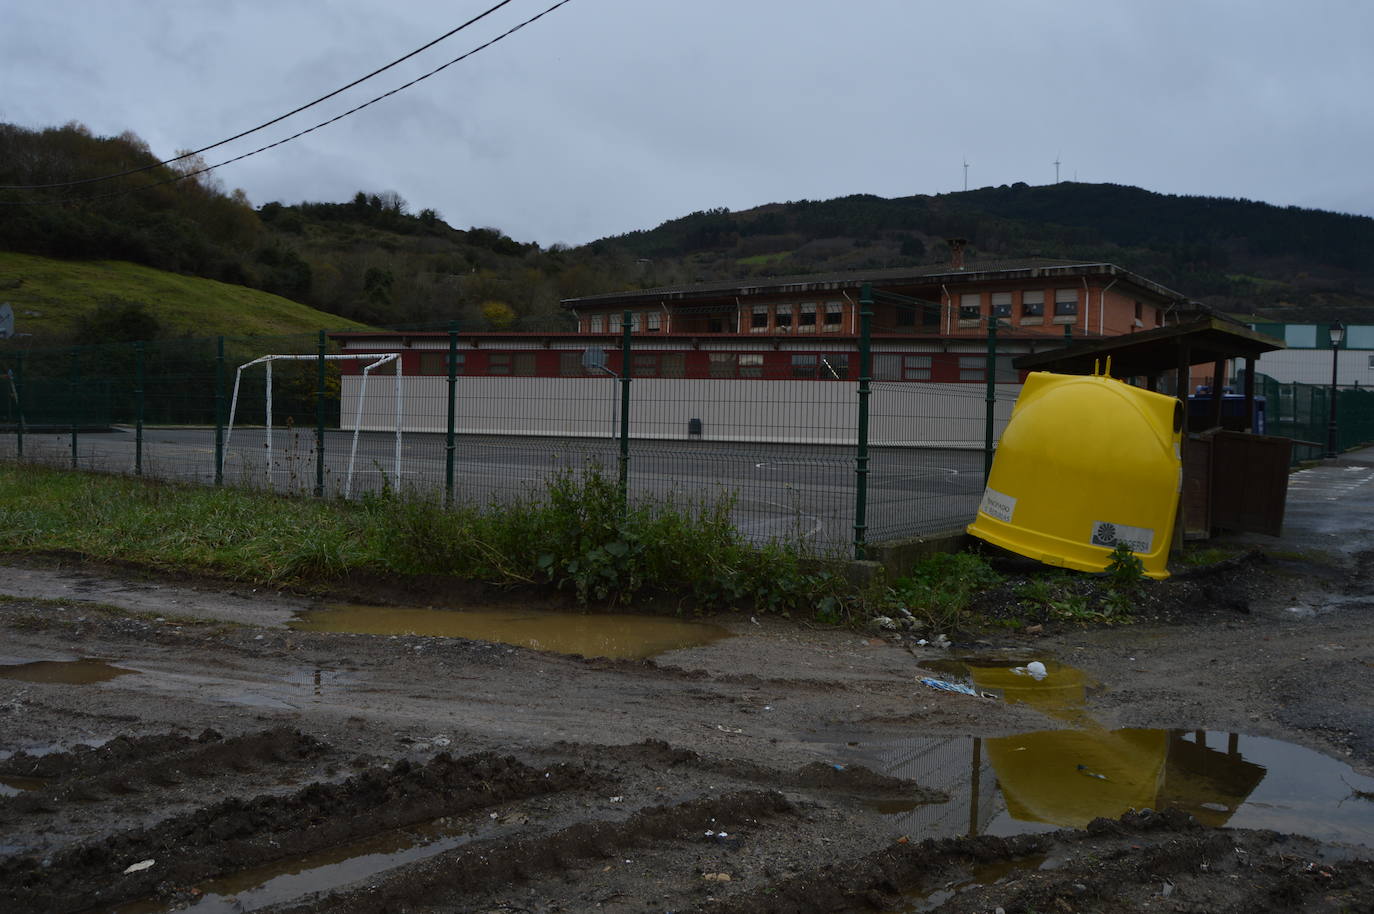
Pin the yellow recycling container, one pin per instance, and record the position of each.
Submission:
(1086, 463)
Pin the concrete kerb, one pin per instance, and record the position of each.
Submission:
(893, 559)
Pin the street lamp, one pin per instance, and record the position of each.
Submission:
(1337, 332)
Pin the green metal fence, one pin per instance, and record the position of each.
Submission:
(1303, 412)
(832, 448)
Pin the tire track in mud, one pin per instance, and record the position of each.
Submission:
(854, 781)
(1131, 864)
(129, 766)
(458, 876)
(235, 834)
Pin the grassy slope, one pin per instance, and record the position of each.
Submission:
(61, 291)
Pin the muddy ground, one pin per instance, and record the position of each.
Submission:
(243, 765)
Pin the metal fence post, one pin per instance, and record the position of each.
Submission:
(72, 399)
(991, 409)
(319, 419)
(452, 411)
(865, 391)
(624, 414)
(19, 405)
(219, 411)
(138, 408)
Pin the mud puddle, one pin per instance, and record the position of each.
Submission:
(1051, 779)
(1065, 778)
(983, 874)
(86, 671)
(619, 636)
(324, 871)
(13, 786)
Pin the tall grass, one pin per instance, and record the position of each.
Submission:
(573, 537)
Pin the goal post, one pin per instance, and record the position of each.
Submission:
(375, 359)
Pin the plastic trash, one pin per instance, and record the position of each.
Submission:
(139, 866)
(1083, 769)
(1035, 670)
(957, 687)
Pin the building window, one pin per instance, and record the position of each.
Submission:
(1033, 303)
(833, 313)
(436, 363)
(652, 321)
(1001, 304)
(887, 367)
(758, 321)
(570, 365)
(597, 323)
(1065, 302)
(916, 367)
(613, 322)
(672, 365)
(835, 367)
(516, 363)
(970, 307)
(644, 365)
(973, 368)
(782, 318)
(1159, 318)
(1139, 311)
(751, 365)
(803, 366)
(634, 321)
(806, 318)
(721, 364)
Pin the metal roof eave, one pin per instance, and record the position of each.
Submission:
(833, 283)
(1156, 351)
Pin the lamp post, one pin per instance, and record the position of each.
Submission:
(1337, 332)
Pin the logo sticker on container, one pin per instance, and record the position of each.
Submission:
(1109, 536)
(998, 505)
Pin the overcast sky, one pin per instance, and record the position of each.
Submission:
(608, 116)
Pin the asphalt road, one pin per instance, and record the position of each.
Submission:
(779, 490)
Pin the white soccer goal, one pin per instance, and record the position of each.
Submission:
(378, 359)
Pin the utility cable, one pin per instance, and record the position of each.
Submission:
(275, 120)
(339, 117)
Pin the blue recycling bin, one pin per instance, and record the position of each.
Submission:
(1233, 416)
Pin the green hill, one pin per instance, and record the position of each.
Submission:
(373, 259)
(55, 300)
(1285, 263)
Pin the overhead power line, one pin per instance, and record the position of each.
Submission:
(276, 120)
(239, 158)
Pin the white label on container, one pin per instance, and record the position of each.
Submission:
(998, 505)
(1109, 535)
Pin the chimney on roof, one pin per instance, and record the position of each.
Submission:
(956, 252)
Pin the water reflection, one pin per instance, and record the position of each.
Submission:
(1065, 778)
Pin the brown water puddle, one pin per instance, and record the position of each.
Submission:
(615, 635)
(64, 672)
(982, 874)
(285, 880)
(12, 785)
